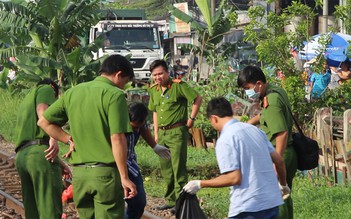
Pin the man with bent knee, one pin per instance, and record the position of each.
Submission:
(98, 115)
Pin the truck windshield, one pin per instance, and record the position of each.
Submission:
(132, 38)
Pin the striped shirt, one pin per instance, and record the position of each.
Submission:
(132, 140)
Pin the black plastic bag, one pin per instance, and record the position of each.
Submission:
(187, 207)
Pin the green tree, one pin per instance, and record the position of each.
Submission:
(45, 37)
(210, 35)
(274, 47)
(154, 9)
(273, 44)
(343, 13)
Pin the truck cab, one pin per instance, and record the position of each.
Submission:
(137, 39)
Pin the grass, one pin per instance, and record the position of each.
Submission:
(319, 200)
(9, 105)
(312, 199)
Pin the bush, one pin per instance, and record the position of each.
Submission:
(221, 83)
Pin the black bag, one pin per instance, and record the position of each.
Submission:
(187, 207)
(307, 151)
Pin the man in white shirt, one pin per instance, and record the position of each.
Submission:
(244, 156)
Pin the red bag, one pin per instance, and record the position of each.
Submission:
(67, 194)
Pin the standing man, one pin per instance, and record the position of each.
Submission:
(177, 66)
(341, 74)
(178, 69)
(36, 155)
(98, 116)
(137, 115)
(320, 81)
(244, 157)
(169, 104)
(275, 120)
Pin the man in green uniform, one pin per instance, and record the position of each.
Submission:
(98, 116)
(169, 104)
(36, 156)
(275, 120)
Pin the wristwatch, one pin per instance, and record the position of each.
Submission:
(193, 118)
(69, 142)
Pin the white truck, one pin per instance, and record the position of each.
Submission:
(139, 39)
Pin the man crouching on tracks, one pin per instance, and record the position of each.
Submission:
(36, 155)
(98, 116)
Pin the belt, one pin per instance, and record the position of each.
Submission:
(30, 143)
(96, 165)
(167, 127)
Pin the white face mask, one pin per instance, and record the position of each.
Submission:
(252, 94)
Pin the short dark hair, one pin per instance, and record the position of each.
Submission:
(251, 74)
(157, 63)
(51, 83)
(115, 63)
(220, 107)
(347, 62)
(137, 112)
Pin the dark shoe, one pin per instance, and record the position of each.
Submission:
(173, 210)
(163, 207)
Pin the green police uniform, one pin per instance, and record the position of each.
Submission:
(41, 180)
(96, 110)
(171, 106)
(275, 118)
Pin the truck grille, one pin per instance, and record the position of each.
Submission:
(137, 63)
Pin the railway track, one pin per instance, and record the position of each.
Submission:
(11, 206)
(10, 188)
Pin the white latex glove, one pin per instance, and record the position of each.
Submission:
(285, 190)
(162, 151)
(192, 187)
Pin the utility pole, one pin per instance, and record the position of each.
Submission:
(341, 23)
(213, 7)
(278, 6)
(325, 16)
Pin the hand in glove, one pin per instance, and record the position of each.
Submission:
(162, 151)
(192, 187)
(285, 190)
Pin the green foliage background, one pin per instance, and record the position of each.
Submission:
(155, 9)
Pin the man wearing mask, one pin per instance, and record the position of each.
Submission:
(275, 120)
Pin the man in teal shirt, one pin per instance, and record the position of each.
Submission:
(98, 116)
(320, 81)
